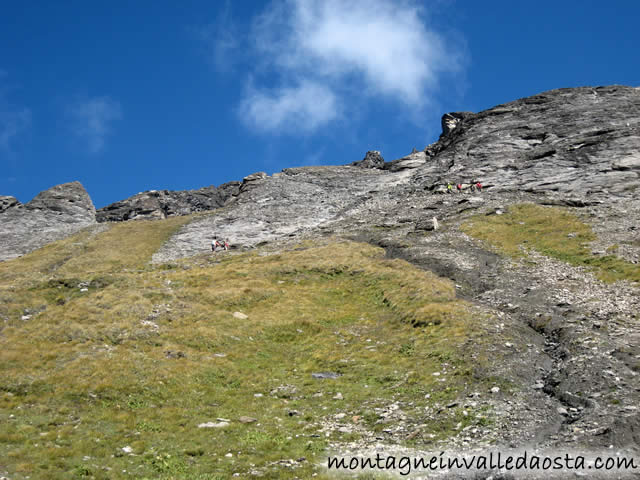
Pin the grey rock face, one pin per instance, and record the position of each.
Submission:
(372, 159)
(8, 202)
(411, 161)
(581, 141)
(251, 181)
(51, 215)
(69, 199)
(166, 203)
(279, 207)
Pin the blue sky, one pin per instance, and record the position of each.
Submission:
(132, 96)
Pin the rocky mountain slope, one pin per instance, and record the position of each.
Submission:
(548, 254)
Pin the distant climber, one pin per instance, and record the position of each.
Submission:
(435, 223)
(459, 187)
(479, 186)
(449, 187)
(216, 244)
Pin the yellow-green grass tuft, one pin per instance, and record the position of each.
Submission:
(551, 231)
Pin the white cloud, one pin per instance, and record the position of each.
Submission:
(92, 121)
(13, 120)
(368, 47)
(302, 108)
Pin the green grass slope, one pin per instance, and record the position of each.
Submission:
(108, 364)
(551, 231)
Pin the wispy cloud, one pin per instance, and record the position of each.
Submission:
(12, 123)
(300, 108)
(222, 40)
(346, 49)
(13, 120)
(92, 121)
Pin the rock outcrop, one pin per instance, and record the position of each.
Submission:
(8, 202)
(166, 203)
(372, 159)
(69, 200)
(575, 141)
(450, 121)
(252, 181)
(51, 215)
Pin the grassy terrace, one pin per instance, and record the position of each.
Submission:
(551, 231)
(149, 352)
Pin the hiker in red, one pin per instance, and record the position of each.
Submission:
(479, 186)
(459, 187)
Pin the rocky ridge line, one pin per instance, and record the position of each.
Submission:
(157, 204)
